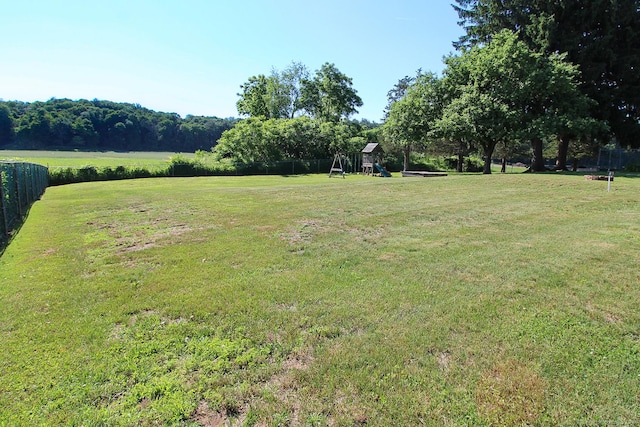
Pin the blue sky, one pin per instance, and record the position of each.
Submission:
(191, 56)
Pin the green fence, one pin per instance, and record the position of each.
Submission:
(21, 185)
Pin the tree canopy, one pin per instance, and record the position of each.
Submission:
(500, 92)
(412, 112)
(104, 125)
(328, 96)
(294, 115)
(601, 37)
(269, 140)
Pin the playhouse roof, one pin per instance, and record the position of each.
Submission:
(372, 148)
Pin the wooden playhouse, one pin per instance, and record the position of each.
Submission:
(371, 154)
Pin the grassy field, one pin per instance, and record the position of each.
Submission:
(89, 158)
(466, 300)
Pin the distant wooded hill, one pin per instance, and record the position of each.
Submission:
(104, 125)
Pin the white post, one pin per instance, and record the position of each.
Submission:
(609, 181)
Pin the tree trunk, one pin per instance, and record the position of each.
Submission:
(537, 161)
(503, 168)
(488, 153)
(405, 159)
(460, 162)
(563, 150)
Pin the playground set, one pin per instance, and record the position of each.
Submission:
(371, 158)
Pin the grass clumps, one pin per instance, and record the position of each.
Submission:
(510, 393)
(161, 368)
(300, 300)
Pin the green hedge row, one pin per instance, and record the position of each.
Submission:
(184, 167)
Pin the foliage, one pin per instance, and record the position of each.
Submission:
(601, 37)
(504, 92)
(258, 140)
(293, 116)
(469, 164)
(399, 90)
(465, 300)
(498, 94)
(278, 96)
(104, 125)
(411, 117)
(6, 125)
(632, 167)
(69, 175)
(328, 96)
(254, 97)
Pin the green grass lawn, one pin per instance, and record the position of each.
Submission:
(89, 158)
(465, 300)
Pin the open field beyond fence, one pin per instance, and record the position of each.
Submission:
(55, 159)
(461, 300)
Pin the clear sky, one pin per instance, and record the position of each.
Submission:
(191, 56)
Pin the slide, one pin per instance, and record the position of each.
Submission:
(383, 171)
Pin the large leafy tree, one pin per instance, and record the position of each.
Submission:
(269, 140)
(330, 95)
(411, 117)
(399, 90)
(254, 97)
(507, 92)
(601, 36)
(282, 95)
(479, 117)
(292, 80)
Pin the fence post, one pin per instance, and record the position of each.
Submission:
(17, 189)
(32, 178)
(25, 186)
(4, 208)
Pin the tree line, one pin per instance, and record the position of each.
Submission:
(530, 78)
(104, 125)
(294, 114)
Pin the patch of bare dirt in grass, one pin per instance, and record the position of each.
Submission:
(302, 401)
(389, 256)
(208, 417)
(510, 393)
(148, 237)
(444, 360)
(48, 252)
(283, 381)
(303, 231)
(608, 316)
(146, 233)
(285, 386)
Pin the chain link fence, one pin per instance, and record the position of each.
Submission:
(21, 185)
(619, 159)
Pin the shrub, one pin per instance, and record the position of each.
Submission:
(203, 164)
(473, 164)
(60, 176)
(632, 167)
